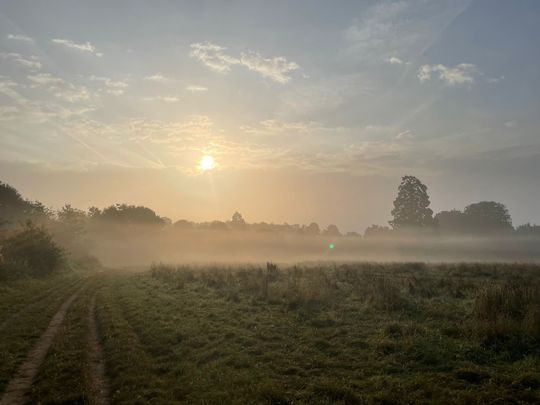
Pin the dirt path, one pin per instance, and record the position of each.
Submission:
(99, 388)
(20, 384)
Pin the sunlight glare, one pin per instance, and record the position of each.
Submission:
(207, 163)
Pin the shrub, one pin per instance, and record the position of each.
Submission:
(31, 251)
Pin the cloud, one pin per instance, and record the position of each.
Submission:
(60, 88)
(114, 87)
(19, 37)
(272, 127)
(85, 47)
(31, 63)
(196, 89)
(7, 87)
(276, 69)
(165, 99)
(495, 79)
(409, 26)
(216, 58)
(462, 74)
(213, 56)
(407, 134)
(158, 77)
(393, 60)
(511, 124)
(8, 113)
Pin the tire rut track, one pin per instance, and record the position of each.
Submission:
(99, 387)
(37, 301)
(18, 387)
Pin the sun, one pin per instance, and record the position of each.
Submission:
(207, 163)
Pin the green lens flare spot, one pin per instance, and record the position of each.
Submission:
(331, 246)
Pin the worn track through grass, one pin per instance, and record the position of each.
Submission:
(99, 387)
(37, 300)
(22, 381)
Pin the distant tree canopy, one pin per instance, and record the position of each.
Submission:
(411, 207)
(71, 227)
(377, 231)
(72, 219)
(453, 221)
(130, 214)
(528, 230)
(184, 224)
(488, 216)
(332, 230)
(312, 229)
(479, 218)
(14, 208)
(237, 221)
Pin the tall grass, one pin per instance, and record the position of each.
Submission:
(508, 313)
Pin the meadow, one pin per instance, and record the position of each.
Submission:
(316, 333)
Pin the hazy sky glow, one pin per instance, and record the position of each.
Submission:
(312, 110)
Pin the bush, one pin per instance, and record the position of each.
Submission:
(32, 252)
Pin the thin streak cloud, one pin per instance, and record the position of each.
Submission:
(84, 47)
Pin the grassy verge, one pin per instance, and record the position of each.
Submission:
(63, 376)
(324, 334)
(18, 294)
(34, 302)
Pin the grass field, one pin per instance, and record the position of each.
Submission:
(313, 333)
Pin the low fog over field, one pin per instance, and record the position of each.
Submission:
(131, 235)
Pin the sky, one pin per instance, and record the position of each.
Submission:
(312, 110)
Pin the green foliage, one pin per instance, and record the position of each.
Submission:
(411, 207)
(32, 252)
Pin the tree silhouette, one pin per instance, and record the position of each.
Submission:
(411, 207)
(488, 216)
(312, 229)
(332, 230)
(376, 230)
(528, 230)
(238, 221)
(453, 221)
(130, 214)
(14, 208)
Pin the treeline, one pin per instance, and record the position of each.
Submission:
(411, 213)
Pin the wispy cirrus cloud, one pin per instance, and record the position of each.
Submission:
(462, 74)
(215, 57)
(114, 87)
(165, 99)
(158, 77)
(409, 26)
(20, 37)
(84, 47)
(196, 89)
(279, 127)
(60, 88)
(31, 63)
(8, 113)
